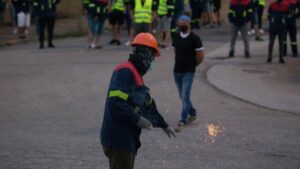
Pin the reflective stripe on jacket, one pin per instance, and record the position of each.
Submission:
(119, 5)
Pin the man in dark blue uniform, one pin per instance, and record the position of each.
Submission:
(178, 11)
(46, 12)
(239, 15)
(129, 106)
(277, 15)
(291, 27)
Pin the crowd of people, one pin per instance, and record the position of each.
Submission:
(282, 16)
(155, 16)
(158, 17)
(42, 12)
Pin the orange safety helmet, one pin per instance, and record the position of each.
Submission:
(146, 39)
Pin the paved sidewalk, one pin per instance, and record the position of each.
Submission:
(274, 86)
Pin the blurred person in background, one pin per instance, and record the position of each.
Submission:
(46, 12)
(205, 14)
(187, 7)
(117, 19)
(142, 13)
(128, 21)
(291, 29)
(277, 15)
(240, 13)
(165, 11)
(23, 17)
(178, 11)
(197, 6)
(13, 15)
(211, 14)
(86, 15)
(98, 9)
(217, 11)
(254, 23)
(260, 11)
(2, 8)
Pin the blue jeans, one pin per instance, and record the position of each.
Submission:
(96, 25)
(184, 83)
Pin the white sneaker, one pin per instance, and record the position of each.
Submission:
(261, 31)
(252, 31)
(249, 33)
(127, 43)
(239, 34)
(26, 32)
(15, 31)
(93, 46)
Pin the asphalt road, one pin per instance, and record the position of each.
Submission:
(51, 108)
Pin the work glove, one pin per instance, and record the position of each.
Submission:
(144, 123)
(169, 132)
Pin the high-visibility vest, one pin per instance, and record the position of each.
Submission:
(143, 14)
(162, 8)
(85, 1)
(262, 2)
(119, 5)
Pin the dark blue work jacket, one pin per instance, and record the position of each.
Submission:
(240, 12)
(21, 5)
(126, 102)
(98, 8)
(45, 8)
(293, 14)
(277, 14)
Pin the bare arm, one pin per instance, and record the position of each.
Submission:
(199, 57)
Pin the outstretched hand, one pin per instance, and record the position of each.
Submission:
(169, 132)
(144, 123)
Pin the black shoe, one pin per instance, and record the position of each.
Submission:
(295, 54)
(51, 45)
(281, 61)
(284, 54)
(22, 37)
(247, 55)
(41, 47)
(162, 46)
(259, 39)
(98, 47)
(118, 43)
(231, 54)
(269, 60)
(112, 41)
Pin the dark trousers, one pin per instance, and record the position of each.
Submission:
(196, 15)
(260, 11)
(292, 31)
(119, 159)
(272, 37)
(46, 22)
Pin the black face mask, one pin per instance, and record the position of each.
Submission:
(142, 58)
(183, 28)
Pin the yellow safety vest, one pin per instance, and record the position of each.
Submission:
(262, 2)
(143, 14)
(119, 5)
(162, 8)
